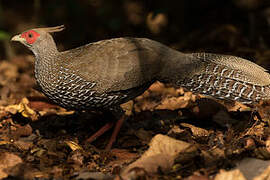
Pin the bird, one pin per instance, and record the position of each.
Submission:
(103, 75)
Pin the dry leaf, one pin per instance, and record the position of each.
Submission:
(230, 175)
(174, 103)
(8, 160)
(264, 176)
(127, 107)
(22, 108)
(196, 131)
(161, 154)
(251, 167)
(73, 145)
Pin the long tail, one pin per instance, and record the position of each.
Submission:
(220, 76)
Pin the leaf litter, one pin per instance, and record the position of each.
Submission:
(170, 134)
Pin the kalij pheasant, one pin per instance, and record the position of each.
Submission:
(105, 74)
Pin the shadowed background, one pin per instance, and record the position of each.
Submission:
(230, 27)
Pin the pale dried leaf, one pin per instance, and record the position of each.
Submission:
(73, 145)
(230, 175)
(248, 165)
(22, 108)
(174, 103)
(161, 155)
(264, 176)
(127, 107)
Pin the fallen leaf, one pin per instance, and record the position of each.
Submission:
(73, 145)
(264, 175)
(22, 108)
(8, 160)
(127, 107)
(230, 175)
(160, 156)
(251, 167)
(196, 131)
(174, 103)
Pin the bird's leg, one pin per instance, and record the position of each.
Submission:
(116, 130)
(101, 131)
(118, 114)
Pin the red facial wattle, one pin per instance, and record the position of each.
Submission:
(30, 36)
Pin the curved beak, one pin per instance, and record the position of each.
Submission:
(17, 38)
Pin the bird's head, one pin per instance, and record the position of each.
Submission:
(33, 37)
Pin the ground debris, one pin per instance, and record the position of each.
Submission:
(160, 156)
(230, 175)
(7, 162)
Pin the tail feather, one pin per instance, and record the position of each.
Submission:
(220, 76)
(226, 88)
(223, 80)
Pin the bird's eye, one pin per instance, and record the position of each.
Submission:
(30, 36)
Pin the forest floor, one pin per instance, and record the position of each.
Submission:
(170, 134)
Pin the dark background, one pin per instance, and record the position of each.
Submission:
(238, 27)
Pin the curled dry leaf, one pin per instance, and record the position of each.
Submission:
(196, 131)
(22, 108)
(73, 145)
(161, 154)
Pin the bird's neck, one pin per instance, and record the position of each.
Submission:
(45, 51)
(46, 55)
